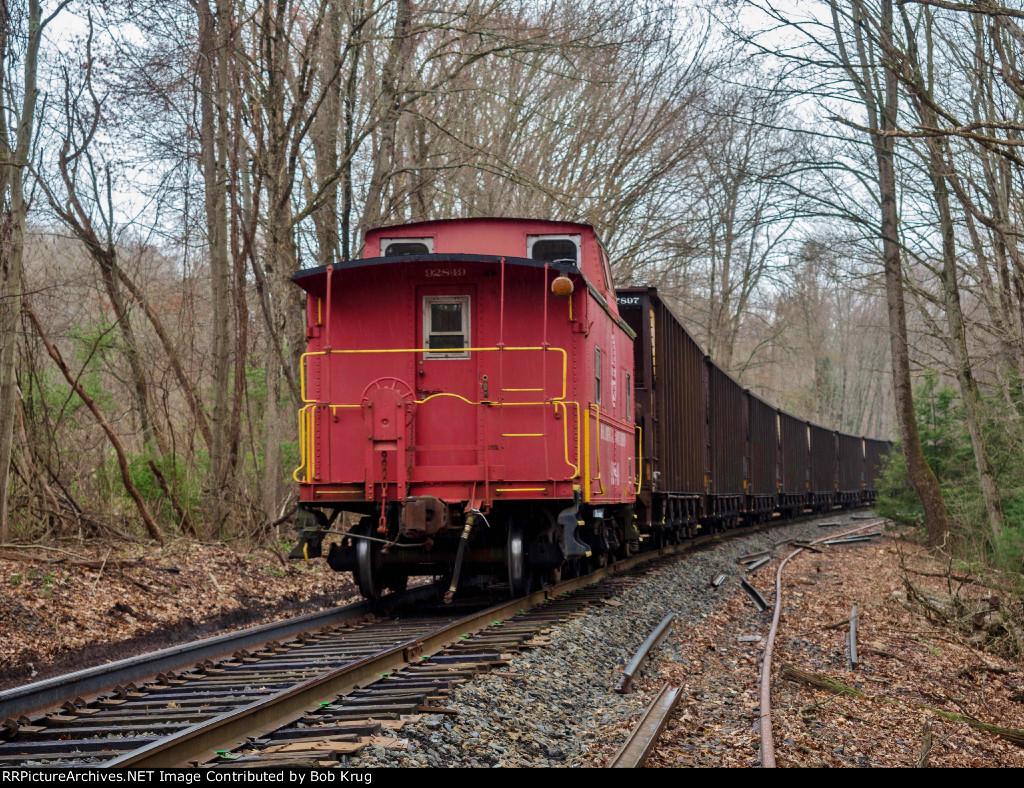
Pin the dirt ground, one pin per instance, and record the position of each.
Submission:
(923, 688)
(62, 610)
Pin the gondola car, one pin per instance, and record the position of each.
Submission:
(763, 471)
(671, 418)
(794, 464)
(468, 396)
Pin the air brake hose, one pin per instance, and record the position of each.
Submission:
(470, 522)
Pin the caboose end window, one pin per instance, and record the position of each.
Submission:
(597, 376)
(446, 326)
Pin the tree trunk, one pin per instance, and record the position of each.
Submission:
(957, 334)
(12, 240)
(122, 461)
(882, 112)
(325, 131)
(214, 38)
(285, 338)
(187, 389)
(105, 257)
(391, 98)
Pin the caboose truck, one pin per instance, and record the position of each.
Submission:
(481, 426)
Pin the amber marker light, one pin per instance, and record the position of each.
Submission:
(562, 287)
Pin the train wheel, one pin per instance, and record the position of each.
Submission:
(368, 573)
(520, 576)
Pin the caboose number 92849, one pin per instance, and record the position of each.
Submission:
(470, 394)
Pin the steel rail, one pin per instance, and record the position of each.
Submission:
(641, 742)
(29, 699)
(50, 692)
(40, 695)
(204, 740)
(767, 739)
(659, 634)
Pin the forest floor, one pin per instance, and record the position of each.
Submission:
(65, 610)
(921, 686)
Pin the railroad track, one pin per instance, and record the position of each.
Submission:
(41, 695)
(324, 679)
(344, 680)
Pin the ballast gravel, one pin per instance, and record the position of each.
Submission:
(560, 703)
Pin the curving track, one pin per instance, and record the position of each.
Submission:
(331, 678)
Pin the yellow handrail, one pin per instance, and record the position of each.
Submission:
(306, 432)
(302, 361)
(302, 446)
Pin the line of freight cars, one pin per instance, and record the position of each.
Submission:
(488, 424)
(712, 454)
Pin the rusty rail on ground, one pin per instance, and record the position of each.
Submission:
(767, 740)
(659, 634)
(641, 742)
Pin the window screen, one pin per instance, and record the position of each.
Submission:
(397, 249)
(446, 326)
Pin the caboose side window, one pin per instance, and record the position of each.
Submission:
(597, 375)
(446, 326)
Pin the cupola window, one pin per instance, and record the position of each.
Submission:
(399, 247)
(551, 248)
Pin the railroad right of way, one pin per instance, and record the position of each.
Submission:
(555, 704)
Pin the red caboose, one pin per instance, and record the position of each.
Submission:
(468, 390)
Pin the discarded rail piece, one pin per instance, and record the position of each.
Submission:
(755, 596)
(852, 539)
(758, 563)
(641, 742)
(658, 635)
(851, 640)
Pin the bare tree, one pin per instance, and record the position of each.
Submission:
(16, 23)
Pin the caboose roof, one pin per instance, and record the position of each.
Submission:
(487, 240)
(504, 237)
